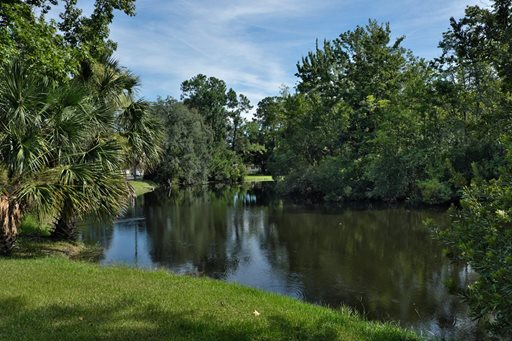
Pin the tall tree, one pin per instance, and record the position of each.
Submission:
(186, 154)
(143, 134)
(208, 95)
(222, 111)
(237, 106)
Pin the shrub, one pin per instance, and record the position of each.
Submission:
(31, 224)
(434, 191)
(480, 234)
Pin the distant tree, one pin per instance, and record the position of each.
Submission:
(269, 118)
(209, 96)
(186, 146)
(222, 111)
(250, 145)
(237, 106)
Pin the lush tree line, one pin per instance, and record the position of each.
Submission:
(370, 121)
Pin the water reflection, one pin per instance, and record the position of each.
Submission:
(380, 261)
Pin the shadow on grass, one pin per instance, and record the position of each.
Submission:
(31, 247)
(117, 321)
(296, 331)
(128, 320)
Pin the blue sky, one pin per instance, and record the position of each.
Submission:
(254, 45)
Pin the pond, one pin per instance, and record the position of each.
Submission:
(380, 261)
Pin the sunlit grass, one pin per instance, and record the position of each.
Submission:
(258, 178)
(143, 186)
(55, 298)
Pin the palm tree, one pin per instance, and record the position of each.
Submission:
(114, 88)
(49, 162)
(96, 174)
(99, 154)
(143, 135)
(116, 115)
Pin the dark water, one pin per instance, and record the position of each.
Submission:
(379, 261)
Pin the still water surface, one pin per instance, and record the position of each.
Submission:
(379, 261)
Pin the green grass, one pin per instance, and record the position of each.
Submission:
(258, 178)
(32, 225)
(143, 186)
(59, 299)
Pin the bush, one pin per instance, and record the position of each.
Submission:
(480, 234)
(226, 166)
(434, 191)
(32, 225)
(333, 179)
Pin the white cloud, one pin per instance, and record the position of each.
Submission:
(177, 40)
(254, 45)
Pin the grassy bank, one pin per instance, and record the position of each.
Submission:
(55, 298)
(32, 247)
(258, 178)
(143, 186)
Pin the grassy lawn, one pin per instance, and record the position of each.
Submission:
(258, 178)
(55, 298)
(143, 186)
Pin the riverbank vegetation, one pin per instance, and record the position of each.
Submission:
(367, 120)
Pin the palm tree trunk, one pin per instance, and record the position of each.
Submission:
(10, 217)
(7, 242)
(65, 229)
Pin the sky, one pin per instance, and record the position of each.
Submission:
(254, 46)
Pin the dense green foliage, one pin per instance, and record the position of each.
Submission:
(88, 301)
(57, 48)
(186, 156)
(481, 235)
(208, 139)
(370, 121)
(477, 52)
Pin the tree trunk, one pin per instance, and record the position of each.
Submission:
(7, 242)
(10, 217)
(135, 172)
(65, 229)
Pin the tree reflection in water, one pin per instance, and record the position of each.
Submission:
(380, 261)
